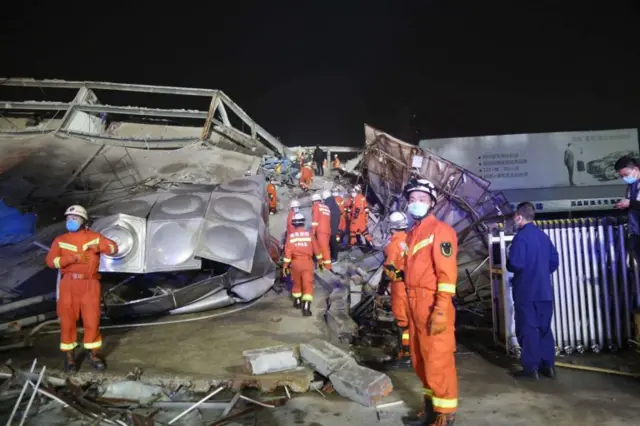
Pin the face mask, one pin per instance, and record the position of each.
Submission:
(295, 209)
(629, 180)
(354, 194)
(418, 209)
(72, 225)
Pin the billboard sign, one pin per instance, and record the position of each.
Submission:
(540, 160)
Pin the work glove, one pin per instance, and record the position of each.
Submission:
(437, 322)
(286, 271)
(320, 266)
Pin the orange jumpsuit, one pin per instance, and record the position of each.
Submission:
(336, 163)
(298, 252)
(80, 290)
(306, 175)
(273, 198)
(290, 226)
(321, 230)
(395, 253)
(430, 274)
(359, 218)
(342, 224)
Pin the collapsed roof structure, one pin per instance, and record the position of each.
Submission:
(465, 202)
(167, 185)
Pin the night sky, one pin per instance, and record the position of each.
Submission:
(315, 74)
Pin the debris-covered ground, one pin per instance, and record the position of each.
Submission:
(157, 373)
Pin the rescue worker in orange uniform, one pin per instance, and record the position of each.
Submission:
(298, 255)
(77, 255)
(359, 218)
(273, 196)
(395, 253)
(306, 176)
(336, 162)
(294, 208)
(321, 230)
(430, 275)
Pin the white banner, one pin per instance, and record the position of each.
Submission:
(540, 160)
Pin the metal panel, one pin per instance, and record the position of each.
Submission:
(139, 206)
(262, 263)
(129, 232)
(231, 228)
(172, 232)
(251, 184)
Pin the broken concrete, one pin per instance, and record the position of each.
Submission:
(324, 357)
(328, 280)
(361, 384)
(270, 360)
(350, 380)
(339, 316)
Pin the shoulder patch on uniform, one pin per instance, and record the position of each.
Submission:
(446, 249)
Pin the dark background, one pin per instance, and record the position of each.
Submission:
(313, 74)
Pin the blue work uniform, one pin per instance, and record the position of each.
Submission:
(633, 194)
(532, 259)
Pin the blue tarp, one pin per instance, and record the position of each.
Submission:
(15, 226)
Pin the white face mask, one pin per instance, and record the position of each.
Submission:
(418, 209)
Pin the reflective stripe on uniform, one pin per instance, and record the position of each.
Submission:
(427, 392)
(113, 248)
(68, 346)
(444, 403)
(447, 288)
(319, 256)
(300, 240)
(422, 244)
(405, 335)
(314, 223)
(307, 297)
(327, 262)
(296, 295)
(286, 259)
(96, 241)
(67, 246)
(56, 262)
(94, 345)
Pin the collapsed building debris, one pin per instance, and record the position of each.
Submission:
(357, 310)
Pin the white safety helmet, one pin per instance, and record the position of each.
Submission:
(77, 210)
(357, 188)
(298, 219)
(335, 156)
(335, 192)
(421, 185)
(398, 220)
(326, 194)
(316, 197)
(295, 204)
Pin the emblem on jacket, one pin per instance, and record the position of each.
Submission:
(446, 249)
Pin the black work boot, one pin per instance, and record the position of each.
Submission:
(424, 418)
(444, 419)
(297, 303)
(548, 372)
(526, 375)
(306, 308)
(70, 362)
(96, 361)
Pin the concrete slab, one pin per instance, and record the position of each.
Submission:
(324, 357)
(270, 360)
(361, 384)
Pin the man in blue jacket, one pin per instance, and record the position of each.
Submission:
(532, 259)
